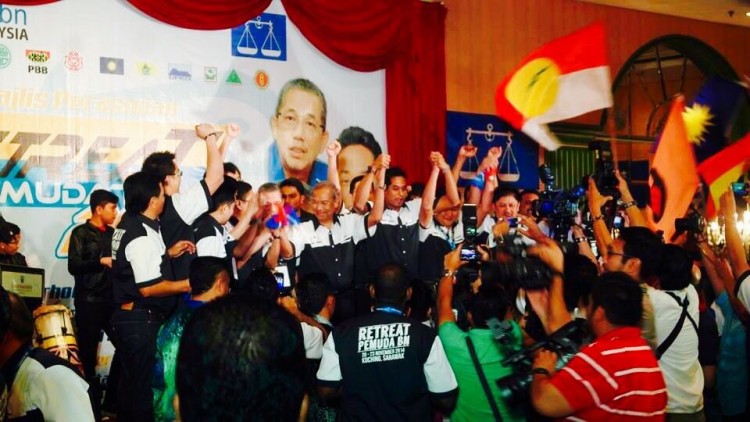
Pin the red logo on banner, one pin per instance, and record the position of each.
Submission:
(261, 79)
(74, 61)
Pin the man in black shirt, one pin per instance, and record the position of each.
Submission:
(387, 366)
(182, 209)
(89, 262)
(144, 295)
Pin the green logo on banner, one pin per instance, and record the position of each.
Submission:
(4, 56)
(234, 78)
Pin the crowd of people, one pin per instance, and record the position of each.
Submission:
(337, 292)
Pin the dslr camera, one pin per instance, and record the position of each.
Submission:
(523, 270)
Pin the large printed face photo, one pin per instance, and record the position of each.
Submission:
(299, 130)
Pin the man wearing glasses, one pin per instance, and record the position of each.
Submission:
(181, 209)
(299, 129)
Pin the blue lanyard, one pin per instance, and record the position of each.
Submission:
(389, 310)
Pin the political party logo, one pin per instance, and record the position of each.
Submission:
(74, 61)
(263, 37)
(10, 20)
(234, 78)
(111, 66)
(261, 79)
(210, 74)
(37, 58)
(182, 72)
(4, 56)
(145, 69)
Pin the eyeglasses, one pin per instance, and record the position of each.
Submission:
(623, 255)
(177, 173)
(290, 120)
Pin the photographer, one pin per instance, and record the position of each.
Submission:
(599, 382)
(474, 356)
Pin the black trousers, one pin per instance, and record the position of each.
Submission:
(91, 319)
(135, 333)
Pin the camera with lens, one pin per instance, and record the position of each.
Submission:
(604, 169)
(523, 270)
(558, 206)
(565, 342)
(694, 223)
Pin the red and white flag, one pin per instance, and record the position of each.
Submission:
(564, 78)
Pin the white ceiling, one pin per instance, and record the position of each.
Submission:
(705, 10)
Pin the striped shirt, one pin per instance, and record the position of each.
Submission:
(616, 378)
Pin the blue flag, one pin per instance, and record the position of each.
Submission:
(722, 100)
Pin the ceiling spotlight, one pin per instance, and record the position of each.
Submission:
(747, 14)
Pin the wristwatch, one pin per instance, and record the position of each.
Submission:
(541, 371)
(449, 273)
(210, 134)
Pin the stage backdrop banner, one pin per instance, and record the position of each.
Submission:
(519, 160)
(88, 88)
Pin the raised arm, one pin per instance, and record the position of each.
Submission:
(490, 183)
(233, 130)
(428, 195)
(376, 213)
(601, 233)
(451, 263)
(214, 163)
(332, 151)
(735, 249)
(466, 151)
(635, 215)
(364, 188)
(451, 186)
(243, 224)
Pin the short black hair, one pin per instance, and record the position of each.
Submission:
(230, 167)
(261, 285)
(160, 164)
(21, 321)
(204, 271)
(8, 231)
(294, 183)
(100, 198)
(240, 361)
(642, 243)
(580, 275)
(355, 135)
(392, 172)
(6, 311)
(502, 192)
(225, 194)
(243, 188)
(621, 298)
(489, 302)
(391, 285)
(529, 191)
(312, 291)
(139, 188)
(676, 268)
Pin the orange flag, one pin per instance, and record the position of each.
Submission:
(673, 178)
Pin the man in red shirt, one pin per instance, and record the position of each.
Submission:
(615, 378)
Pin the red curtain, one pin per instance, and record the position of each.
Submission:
(363, 35)
(202, 14)
(405, 37)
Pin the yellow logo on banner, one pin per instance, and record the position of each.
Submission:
(533, 89)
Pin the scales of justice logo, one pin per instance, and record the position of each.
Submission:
(263, 37)
(507, 169)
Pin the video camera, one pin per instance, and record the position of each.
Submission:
(523, 270)
(604, 169)
(558, 206)
(565, 342)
